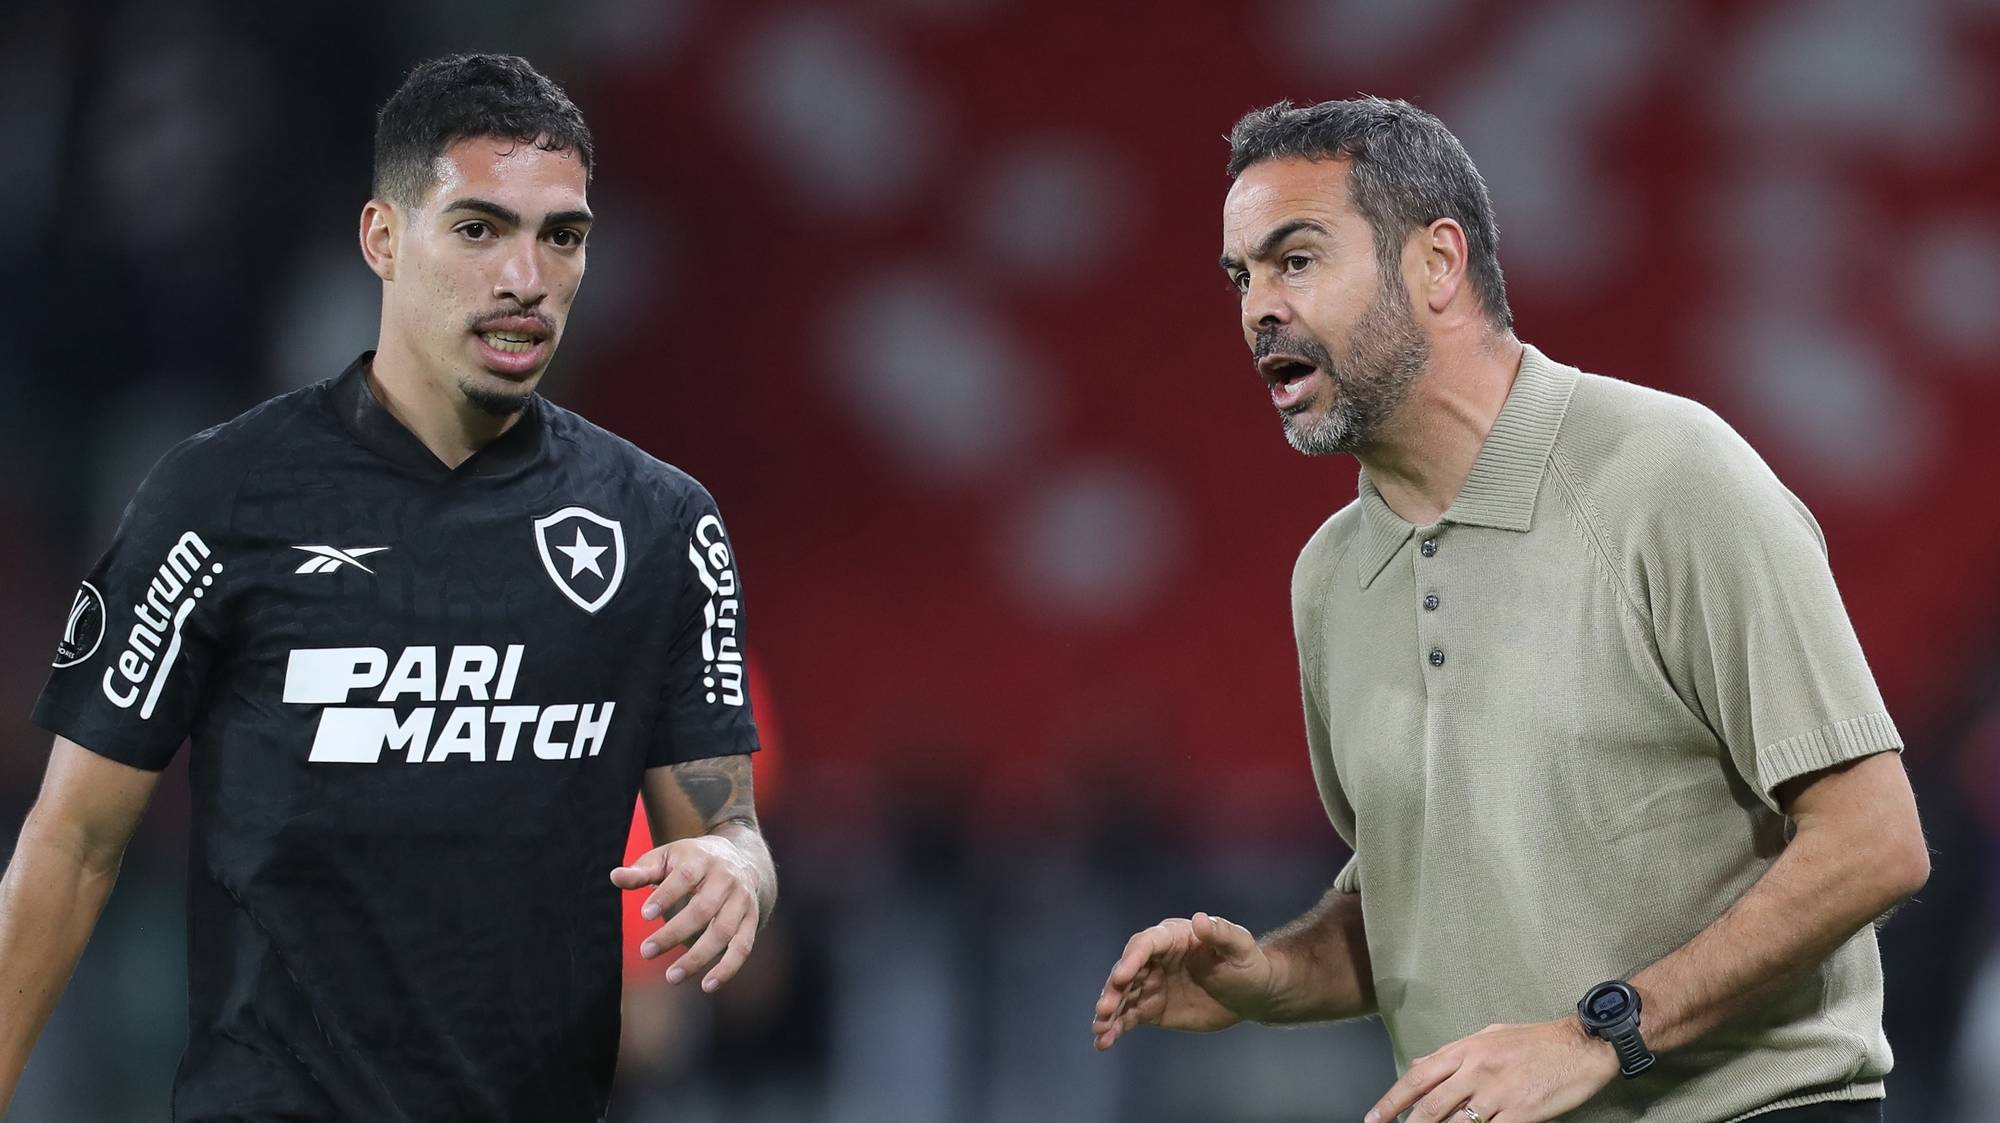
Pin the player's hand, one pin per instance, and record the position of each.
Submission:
(707, 891)
(1201, 974)
(1519, 1074)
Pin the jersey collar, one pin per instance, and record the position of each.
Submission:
(378, 430)
(1506, 477)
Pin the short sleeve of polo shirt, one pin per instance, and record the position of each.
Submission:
(141, 640)
(705, 702)
(1750, 622)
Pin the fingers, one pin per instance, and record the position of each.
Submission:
(692, 919)
(1117, 1007)
(1161, 938)
(1134, 993)
(1115, 999)
(1444, 1100)
(714, 940)
(680, 881)
(1141, 1003)
(1112, 998)
(1425, 1074)
(1232, 942)
(648, 870)
(733, 957)
(1137, 951)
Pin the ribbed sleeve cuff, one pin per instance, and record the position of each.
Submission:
(1348, 880)
(1853, 1092)
(1831, 744)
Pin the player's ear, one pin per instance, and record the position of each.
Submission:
(381, 230)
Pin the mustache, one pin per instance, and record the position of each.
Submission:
(1280, 342)
(479, 321)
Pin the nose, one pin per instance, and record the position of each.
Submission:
(522, 279)
(1265, 306)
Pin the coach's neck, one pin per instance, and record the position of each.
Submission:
(1428, 447)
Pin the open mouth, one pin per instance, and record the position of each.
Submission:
(1292, 381)
(513, 335)
(1283, 370)
(510, 343)
(514, 346)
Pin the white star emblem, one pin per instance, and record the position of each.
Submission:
(582, 555)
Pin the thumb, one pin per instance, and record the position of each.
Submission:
(650, 869)
(1233, 943)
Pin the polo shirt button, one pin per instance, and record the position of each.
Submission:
(1437, 656)
(1431, 603)
(1429, 548)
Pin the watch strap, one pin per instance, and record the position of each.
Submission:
(1633, 1056)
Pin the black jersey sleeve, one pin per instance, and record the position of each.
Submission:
(140, 639)
(705, 706)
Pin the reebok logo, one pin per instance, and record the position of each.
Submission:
(326, 559)
(430, 734)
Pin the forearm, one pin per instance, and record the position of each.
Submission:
(50, 899)
(1320, 963)
(714, 796)
(1819, 892)
(746, 836)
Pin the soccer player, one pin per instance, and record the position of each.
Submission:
(1580, 694)
(429, 636)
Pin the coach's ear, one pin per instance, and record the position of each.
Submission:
(381, 224)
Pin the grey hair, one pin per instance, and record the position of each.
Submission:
(1406, 170)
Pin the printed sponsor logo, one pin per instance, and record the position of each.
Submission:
(489, 726)
(169, 600)
(583, 537)
(326, 559)
(721, 655)
(83, 630)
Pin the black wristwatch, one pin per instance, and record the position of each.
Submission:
(1610, 1011)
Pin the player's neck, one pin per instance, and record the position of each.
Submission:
(1429, 449)
(451, 427)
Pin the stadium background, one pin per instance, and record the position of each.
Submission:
(922, 290)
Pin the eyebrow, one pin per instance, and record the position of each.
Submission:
(1273, 240)
(567, 218)
(502, 214)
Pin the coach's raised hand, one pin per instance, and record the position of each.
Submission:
(714, 883)
(1200, 974)
(1205, 973)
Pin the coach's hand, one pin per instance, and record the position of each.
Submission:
(1515, 1074)
(708, 893)
(1201, 974)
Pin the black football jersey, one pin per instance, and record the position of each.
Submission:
(420, 701)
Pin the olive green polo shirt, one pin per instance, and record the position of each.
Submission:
(1550, 725)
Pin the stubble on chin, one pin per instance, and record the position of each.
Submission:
(495, 402)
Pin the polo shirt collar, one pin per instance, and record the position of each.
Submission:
(1506, 477)
(1382, 533)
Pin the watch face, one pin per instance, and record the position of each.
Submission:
(1608, 1005)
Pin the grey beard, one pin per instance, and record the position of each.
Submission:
(1322, 436)
(1385, 355)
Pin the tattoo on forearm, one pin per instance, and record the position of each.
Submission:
(719, 788)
